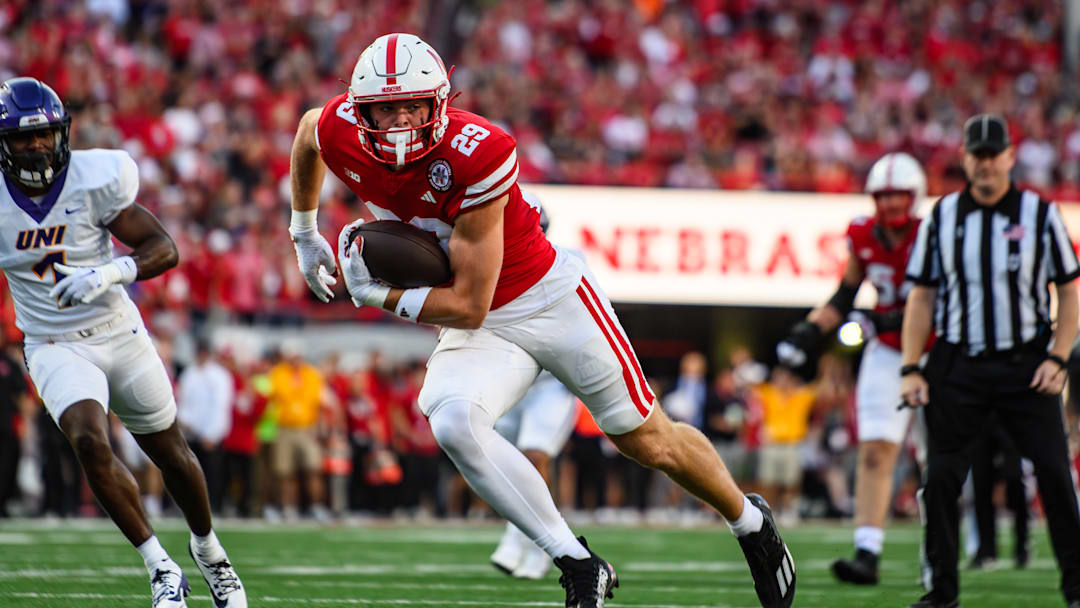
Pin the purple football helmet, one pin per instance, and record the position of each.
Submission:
(27, 104)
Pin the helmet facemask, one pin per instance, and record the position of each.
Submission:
(398, 146)
(398, 67)
(895, 215)
(29, 107)
(36, 170)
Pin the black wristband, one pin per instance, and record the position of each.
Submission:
(910, 369)
(1056, 359)
(844, 299)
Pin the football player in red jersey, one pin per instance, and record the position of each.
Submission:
(516, 305)
(879, 251)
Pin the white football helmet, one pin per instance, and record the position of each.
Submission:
(395, 67)
(897, 172)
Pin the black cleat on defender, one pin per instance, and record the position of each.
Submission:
(860, 570)
(769, 560)
(588, 582)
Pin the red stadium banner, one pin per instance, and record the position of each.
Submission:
(741, 248)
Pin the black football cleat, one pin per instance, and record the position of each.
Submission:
(588, 582)
(769, 560)
(860, 570)
(930, 601)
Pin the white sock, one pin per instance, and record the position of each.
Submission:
(503, 476)
(152, 553)
(207, 547)
(869, 539)
(749, 521)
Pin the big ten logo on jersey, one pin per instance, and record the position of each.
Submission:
(883, 278)
(470, 137)
(35, 238)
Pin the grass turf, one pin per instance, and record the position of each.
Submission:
(87, 563)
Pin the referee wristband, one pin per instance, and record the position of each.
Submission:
(411, 303)
(910, 369)
(1056, 359)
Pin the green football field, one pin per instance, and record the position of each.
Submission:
(87, 563)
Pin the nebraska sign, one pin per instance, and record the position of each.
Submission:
(712, 246)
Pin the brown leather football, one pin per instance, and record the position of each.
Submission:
(403, 255)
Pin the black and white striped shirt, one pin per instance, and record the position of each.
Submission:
(992, 267)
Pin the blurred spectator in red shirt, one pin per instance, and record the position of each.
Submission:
(366, 399)
(241, 444)
(414, 442)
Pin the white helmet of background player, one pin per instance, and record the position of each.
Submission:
(896, 172)
(393, 68)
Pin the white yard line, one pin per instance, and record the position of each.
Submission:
(305, 570)
(443, 569)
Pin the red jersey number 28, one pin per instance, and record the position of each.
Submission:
(470, 136)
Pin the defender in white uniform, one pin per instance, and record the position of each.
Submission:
(86, 347)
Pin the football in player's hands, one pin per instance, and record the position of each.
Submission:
(402, 255)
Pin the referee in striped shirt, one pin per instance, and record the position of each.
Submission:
(982, 264)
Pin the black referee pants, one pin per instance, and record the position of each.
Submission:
(996, 457)
(964, 392)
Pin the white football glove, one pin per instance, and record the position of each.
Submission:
(364, 289)
(790, 355)
(316, 261)
(85, 283)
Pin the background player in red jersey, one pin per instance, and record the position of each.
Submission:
(879, 252)
(516, 305)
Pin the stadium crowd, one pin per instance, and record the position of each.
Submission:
(742, 94)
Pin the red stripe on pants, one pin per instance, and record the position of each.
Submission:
(622, 340)
(627, 378)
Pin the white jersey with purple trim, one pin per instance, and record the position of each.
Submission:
(66, 225)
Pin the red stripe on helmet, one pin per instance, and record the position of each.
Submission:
(437, 59)
(391, 59)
